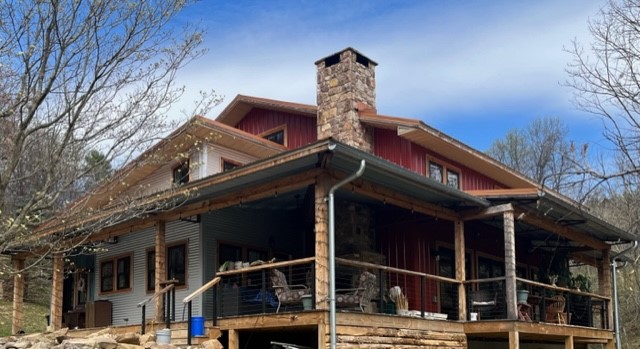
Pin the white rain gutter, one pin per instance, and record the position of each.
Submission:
(332, 253)
(616, 317)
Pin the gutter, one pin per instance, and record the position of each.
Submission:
(332, 253)
(616, 316)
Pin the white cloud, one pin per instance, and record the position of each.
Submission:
(435, 57)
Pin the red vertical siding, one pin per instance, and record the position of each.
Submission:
(301, 130)
(388, 145)
(399, 151)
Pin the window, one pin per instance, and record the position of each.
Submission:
(444, 174)
(176, 264)
(181, 174)
(276, 135)
(435, 171)
(106, 276)
(453, 179)
(115, 274)
(228, 165)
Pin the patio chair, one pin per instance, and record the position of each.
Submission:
(554, 311)
(287, 294)
(480, 299)
(360, 296)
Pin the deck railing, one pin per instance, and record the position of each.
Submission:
(249, 291)
(572, 307)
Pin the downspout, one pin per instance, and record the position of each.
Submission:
(616, 318)
(332, 254)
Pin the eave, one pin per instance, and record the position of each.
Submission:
(417, 132)
(241, 105)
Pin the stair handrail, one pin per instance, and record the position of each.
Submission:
(155, 295)
(189, 301)
(143, 304)
(201, 290)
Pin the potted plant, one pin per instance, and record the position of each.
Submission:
(522, 294)
(581, 282)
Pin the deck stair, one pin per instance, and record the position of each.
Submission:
(179, 336)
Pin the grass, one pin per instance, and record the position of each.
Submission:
(34, 317)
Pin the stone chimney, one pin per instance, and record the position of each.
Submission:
(346, 84)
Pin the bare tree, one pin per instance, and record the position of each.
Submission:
(541, 151)
(606, 83)
(77, 77)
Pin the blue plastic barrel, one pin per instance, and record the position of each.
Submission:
(197, 326)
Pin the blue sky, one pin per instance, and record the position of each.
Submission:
(473, 69)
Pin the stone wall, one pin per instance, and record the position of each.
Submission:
(346, 84)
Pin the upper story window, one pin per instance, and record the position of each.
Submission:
(276, 135)
(181, 174)
(115, 274)
(228, 165)
(444, 174)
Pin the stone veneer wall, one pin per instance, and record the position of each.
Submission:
(346, 80)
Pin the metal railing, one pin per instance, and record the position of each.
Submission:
(169, 307)
(568, 306)
(189, 301)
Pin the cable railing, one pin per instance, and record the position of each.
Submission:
(169, 291)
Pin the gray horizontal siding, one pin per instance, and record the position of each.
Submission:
(137, 244)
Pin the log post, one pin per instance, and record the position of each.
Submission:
(510, 265)
(17, 323)
(56, 291)
(605, 283)
(322, 242)
(460, 268)
(160, 268)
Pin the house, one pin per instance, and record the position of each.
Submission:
(385, 231)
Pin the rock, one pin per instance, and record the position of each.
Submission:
(212, 344)
(102, 333)
(20, 344)
(128, 346)
(146, 338)
(128, 338)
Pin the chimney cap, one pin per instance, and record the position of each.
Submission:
(347, 49)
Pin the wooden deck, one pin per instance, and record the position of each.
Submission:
(357, 330)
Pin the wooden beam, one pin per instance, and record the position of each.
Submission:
(322, 242)
(504, 192)
(56, 290)
(563, 231)
(250, 194)
(611, 344)
(514, 340)
(568, 342)
(510, 264)
(391, 197)
(160, 267)
(460, 268)
(17, 324)
(234, 339)
(486, 212)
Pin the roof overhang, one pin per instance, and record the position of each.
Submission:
(242, 105)
(430, 138)
(343, 159)
(560, 210)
